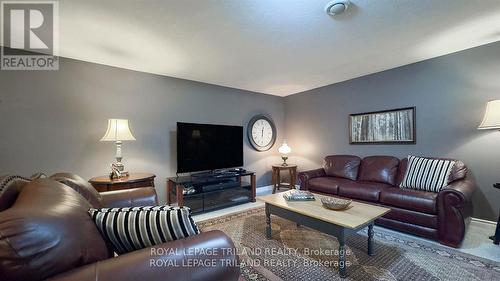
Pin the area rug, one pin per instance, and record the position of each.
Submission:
(299, 253)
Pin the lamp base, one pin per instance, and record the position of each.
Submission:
(118, 166)
(284, 160)
(118, 171)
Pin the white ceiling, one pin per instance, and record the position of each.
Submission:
(277, 47)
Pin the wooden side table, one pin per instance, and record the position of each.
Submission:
(292, 169)
(104, 183)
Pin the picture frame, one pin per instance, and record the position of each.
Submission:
(394, 126)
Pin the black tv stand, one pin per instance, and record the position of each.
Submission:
(209, 191)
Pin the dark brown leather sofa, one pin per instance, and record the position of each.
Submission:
(46, 233)
(441, 216)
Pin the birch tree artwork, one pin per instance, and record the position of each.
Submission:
(395, 126)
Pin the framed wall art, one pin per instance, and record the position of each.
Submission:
(395, 126)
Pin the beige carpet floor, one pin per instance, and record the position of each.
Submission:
(300, 253)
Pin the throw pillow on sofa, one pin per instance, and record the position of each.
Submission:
(130, 229)
(427, 174)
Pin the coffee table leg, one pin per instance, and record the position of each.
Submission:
(268, 222)
(370, 240)
(342, 265)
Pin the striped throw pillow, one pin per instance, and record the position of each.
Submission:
(427, 174)
(130, 229)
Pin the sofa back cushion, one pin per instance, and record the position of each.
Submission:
(47, 231)
(382, 169)
(342, 166)
(458, 172)
(78, 184)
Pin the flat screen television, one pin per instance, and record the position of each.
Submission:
(202, 147)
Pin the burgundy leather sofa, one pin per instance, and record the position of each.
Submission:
(442, 216)
(46, 233)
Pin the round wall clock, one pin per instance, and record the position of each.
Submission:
(261, 133)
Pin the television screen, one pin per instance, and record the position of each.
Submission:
(202, 147)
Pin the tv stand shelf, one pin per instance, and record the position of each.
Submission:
(211, 192)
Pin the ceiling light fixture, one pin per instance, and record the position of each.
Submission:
(336, 7)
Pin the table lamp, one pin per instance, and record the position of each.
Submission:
(284, 150)
(491, 121)
(491, 118)
(118, 131)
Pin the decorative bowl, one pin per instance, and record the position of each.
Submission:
(336, 204)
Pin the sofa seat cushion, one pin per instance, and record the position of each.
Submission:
(415, 200)
(329, 185)
(362, 190)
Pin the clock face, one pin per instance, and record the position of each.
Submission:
(261, 133)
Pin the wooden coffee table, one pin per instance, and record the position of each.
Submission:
(337, 223)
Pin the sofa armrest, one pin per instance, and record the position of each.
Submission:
(135, 197)
(462, 189)
(177, 260)
(455, 211)
(305, 176)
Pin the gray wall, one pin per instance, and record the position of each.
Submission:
(450, 94)
(52, 120)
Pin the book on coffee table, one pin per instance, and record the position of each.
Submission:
(299, 195)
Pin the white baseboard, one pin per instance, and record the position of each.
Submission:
(267, 189)
(483, 221)
(262, 190)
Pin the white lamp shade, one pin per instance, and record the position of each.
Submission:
(118, 130)
(284, 148)
(491, 118)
